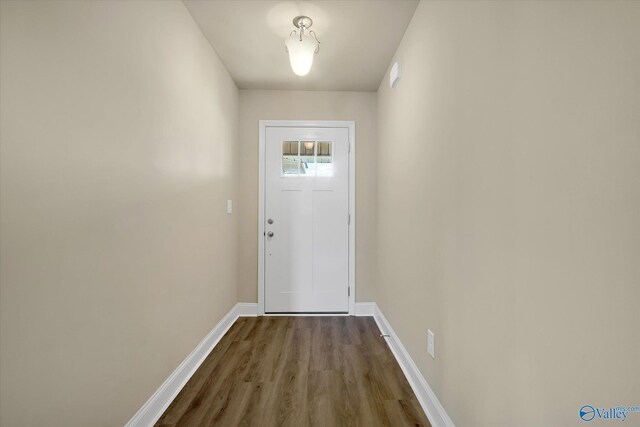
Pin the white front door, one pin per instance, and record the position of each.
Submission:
(306, 266)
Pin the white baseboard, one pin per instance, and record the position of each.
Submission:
(153, 409)
(427, 398)
(365, 309)
(247, 309)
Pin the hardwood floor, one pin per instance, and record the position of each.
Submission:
(298, 371)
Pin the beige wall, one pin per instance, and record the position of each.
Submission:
(118, 153)
(509, 207)
(258, 105)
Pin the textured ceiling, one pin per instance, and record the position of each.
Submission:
(358, 39)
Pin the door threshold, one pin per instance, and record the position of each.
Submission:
(307, 313)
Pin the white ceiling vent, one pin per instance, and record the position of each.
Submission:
(394, 75)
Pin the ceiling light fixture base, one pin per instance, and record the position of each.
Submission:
(302, 21)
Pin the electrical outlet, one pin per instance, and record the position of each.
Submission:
(229, 206)
(431, 343)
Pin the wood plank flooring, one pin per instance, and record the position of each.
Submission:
(298, 371)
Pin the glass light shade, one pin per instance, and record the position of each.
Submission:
(301, 53)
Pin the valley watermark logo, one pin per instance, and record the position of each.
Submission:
(619, 413)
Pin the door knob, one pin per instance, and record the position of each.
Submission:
(270, 221)
(270, 234)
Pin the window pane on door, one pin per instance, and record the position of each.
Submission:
(307, 158)
(290, 158)
(324, 159)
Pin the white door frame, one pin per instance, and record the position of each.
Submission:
(351, 126)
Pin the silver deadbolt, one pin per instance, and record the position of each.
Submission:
(270, 234)
(269, 221)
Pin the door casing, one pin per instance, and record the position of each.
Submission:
(351, 126)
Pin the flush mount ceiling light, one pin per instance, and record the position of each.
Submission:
(302, 46)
